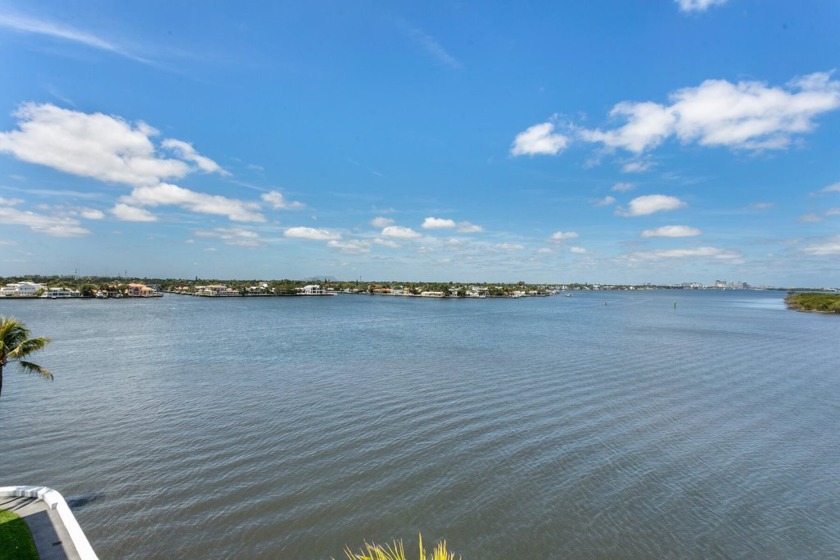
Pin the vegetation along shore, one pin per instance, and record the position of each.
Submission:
(813, 302)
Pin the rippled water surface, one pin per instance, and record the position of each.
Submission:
(533, 428)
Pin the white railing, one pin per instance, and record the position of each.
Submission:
(55, 501)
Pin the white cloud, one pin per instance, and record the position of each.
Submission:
(400, 232)
(648, 125)
(539, 139)
(649, 204)
(606, 201)
(831, 246)
(747, 115)
(279, 202)
(391, 244)
(544, 251)
(311, 233)
(831, 188)
(172, 195)
(237, 237)
(351, 247)
(760, 206)
(636, 166)
(188, 153)
(833, 212)
(672, 231)
(438, 223)
(698, 5)
(381, 222)
(577, 250)
(128, 213)
(809, 218)
(467, 227)
(694, 252)
(623, 187)
(10, 201)
(56, 226)
(41, 27)
(91, 214)
(94, 145)
(509, 246)
(430, 45)
(563, 235)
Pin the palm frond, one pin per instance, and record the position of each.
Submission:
(26, 347)
(396, 551)
(35, 368)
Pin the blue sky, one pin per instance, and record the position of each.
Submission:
(599, 141)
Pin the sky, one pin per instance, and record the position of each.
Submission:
(654, 141)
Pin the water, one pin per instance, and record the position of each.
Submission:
(533, 428)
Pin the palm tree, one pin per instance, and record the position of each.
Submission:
(15, 345)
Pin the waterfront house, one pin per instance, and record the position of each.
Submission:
(20, 289)
(140, 290)
(215, 290)
(61, 292)
(312, 290)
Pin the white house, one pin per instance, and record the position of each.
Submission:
(20, 289)
(61, 292)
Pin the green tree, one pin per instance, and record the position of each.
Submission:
(15, 345)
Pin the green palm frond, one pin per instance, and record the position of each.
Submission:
(29, 367)
(28, 346)
(15, 345)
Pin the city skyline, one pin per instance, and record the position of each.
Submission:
(616, 143)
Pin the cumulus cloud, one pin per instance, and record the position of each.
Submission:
(10, 201)
(400, 232)
(186, 151)
(237, 237)
(351, 247)
(91, 214)
(672, 231)
(648, 124)
(649, 204)
(95, 145)
(390, 243)
(381, 222)
(279, 202)
(445, 223)
(831, 188)
(563, 235)
(833, 212)
(577, 250)
(606, 201)
(438, 223)
(746, 115)
(539, 139)
(128, 213)
(698, 5)
(830, 246)
(312, 234)
(55, 226)
(172, 195)
(623, 187)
